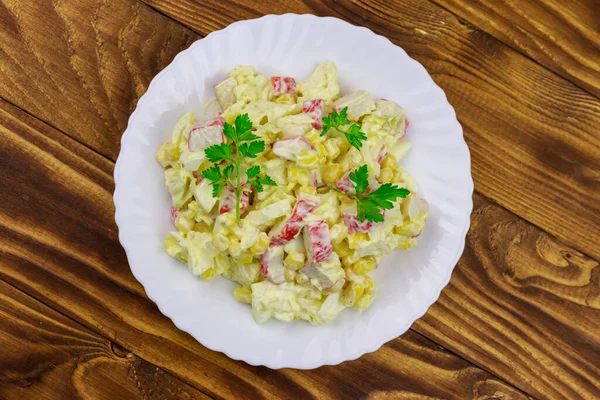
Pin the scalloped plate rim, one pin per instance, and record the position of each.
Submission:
(258, 361)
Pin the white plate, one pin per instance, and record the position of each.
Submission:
(407, 282)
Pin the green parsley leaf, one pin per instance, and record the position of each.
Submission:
(218, 152)
(360, 177)
(337, 120)
(216, 190)
(367, 209)
(267, 180)
(253, 171)
(355, 137)
(242, 125)
(327, 125)
(257, 185)
(342, 117)
(258, 182)
(370, 205)
(213, 173)
(386, 194)
(248, 136)
(228, 171)
(215, 176)
(230, 132)
(252, 149)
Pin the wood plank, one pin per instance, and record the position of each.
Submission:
(82, 65)
(525, 305)
(563, 35)
(48, 356)
(533, 135)
(60, 245)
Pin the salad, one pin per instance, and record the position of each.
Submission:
(292, 191)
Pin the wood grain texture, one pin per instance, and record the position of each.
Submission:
(82, 65)
(45, 355)
(534, 136)
(563, 35)
(60, 245)
(526, 304)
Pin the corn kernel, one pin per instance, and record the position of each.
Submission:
(303, 178)
(245, 257)
(368, 284)
(363, 266)
(167, 154)
(184, 224)
(289, 188)
(228, 219)
(389, 162)
(321, 151)
(261, 245)
(292, 173)
(397, 177)
(201, 227)
(269, 155)
(243, 295)
(234, 248)
(332, 150)
(288, 98)
(289, 274)
(208, 274)
(307, 190)
(364, 301)
(341, 248)
(174, 249)
(342, 143)
(223, 264)
(331, 173)
(352, 293)
(302, 279)
(386, 175)
(355, 239)
(349, 258)
(338, 232)
(298, 175)
(406, 245)
(221, 242)
(313, 136)
(294, 260)
(307, 159)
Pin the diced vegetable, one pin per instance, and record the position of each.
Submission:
(206, 134)
(289, 148)
(192, 160)
(283, 84)
(290, 228)
(359, 103)
(271, 265)
(317, 241)
(345, 184)
(314, 108)
(354, 225)
(224, 92)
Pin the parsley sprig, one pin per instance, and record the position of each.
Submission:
(353, 133)
(244, 144)
(369, 205)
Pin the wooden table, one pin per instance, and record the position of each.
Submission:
(521, 315)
